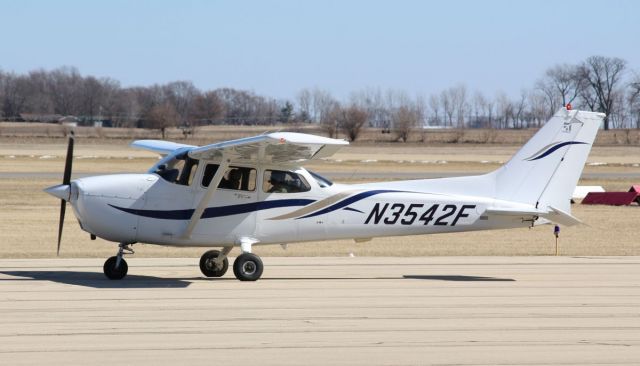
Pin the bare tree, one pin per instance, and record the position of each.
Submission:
(519, 109)
(504, 110)
(565, 81)
(14, 91)
(447, 107)
(537, 108)
(161, 117)
(434, 107)
(304, 100)
(351, 121)
(331, 119)
(91, 98)
(182, 95)
(458, 96)
(208, 108)
(405, 119)
(122, 106)
(634, 99)
(65, 85)
(603, 75)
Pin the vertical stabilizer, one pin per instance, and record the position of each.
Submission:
(545, 171)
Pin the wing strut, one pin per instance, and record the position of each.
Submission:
(213, 185)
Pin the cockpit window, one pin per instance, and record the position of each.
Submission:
(235, 177)
(322, 181)
(280, 181)
(181, 169)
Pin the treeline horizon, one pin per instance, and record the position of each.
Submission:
(603, 84)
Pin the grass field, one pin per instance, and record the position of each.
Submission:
(28, 221)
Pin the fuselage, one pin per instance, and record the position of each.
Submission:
(156, 207)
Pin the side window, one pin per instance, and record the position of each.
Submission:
(280, 181)
(209, 171)
(237, 178)
(188, 172)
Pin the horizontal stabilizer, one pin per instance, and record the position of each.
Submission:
(563, 218)
(553, 214)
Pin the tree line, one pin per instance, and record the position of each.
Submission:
(604, 84)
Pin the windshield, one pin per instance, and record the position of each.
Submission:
(178, 169)
(322, 181)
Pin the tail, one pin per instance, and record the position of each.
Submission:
(545, 171)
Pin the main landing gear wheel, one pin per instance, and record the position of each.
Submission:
(212, 268)
(112, 272)
(248, 267)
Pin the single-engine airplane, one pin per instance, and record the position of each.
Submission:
(252, 191)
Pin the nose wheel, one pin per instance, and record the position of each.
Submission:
(116, 268)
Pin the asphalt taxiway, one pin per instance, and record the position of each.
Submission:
(325, 311)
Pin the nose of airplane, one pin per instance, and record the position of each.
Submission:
(62, 191)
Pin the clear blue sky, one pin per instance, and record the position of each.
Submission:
(279, 47)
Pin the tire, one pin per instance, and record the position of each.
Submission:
(112, 272)
(208, 267)
(248, 267)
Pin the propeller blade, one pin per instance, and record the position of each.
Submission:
(63, 207)
(66, 178)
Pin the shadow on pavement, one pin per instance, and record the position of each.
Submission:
(459, 278)
(97, 279)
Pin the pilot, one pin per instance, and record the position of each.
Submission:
(233, 180)
(167, 174)
(278, 182)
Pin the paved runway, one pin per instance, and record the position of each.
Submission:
(325, 311)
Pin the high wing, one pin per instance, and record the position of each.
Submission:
(278, 147)
(159, 146)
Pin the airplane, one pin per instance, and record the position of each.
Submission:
(253, 191)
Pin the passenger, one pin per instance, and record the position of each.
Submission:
(278, 182)
(233, 180)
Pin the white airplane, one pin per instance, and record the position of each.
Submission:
(252, 191)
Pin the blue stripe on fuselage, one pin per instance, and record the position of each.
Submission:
(219, 211)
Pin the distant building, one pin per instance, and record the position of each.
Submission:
(70, 121)
(40, 117)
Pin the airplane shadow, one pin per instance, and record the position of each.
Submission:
(458, 278)
(98, 280)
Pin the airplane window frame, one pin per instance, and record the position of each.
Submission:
(267, 186)
(248, 180)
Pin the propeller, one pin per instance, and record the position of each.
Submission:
(66, 182)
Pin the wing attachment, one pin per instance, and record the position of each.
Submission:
(159, 146)
(279, 147)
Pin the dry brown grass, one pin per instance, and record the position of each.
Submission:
(208, 134)
(28, 219)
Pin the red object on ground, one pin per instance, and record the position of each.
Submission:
(611, 198)
(635, 188)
